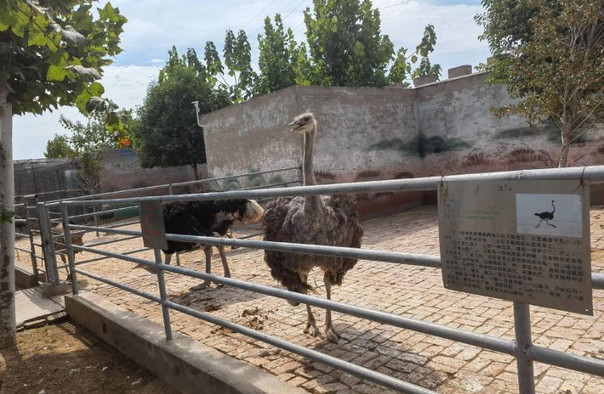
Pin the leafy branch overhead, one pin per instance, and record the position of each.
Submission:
(550, 56)
(52, 52)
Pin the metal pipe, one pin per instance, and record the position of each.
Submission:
(82, 262)
(562, 359)
(522, 328)
(47, 245)
(28, 229)
(353, 369)
(120, 286)
(470, 338)
(156, 187)
(594, 173)
(575, 362)
(69, 246)
(422, 260)
(111, 241)
(162, 294)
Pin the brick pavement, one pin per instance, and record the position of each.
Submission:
(415, 292)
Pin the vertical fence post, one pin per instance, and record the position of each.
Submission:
(32, 247)
(46, 237)
(522, 327)
(162, 294)
(69, 249)
(95, 218)
(170, 191)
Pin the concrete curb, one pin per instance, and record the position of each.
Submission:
(25, 278)
(188, 365)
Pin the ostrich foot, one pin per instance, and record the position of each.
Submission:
(332, 335)
(311, 326)
(204, 285)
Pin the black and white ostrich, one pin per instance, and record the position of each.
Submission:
(322, 220)
(207, 218)
(546, 216)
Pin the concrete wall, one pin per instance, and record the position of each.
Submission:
(366, 134)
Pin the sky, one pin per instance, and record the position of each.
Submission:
(154, 26)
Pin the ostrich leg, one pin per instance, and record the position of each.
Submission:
(311, 322)
(330, 331)
(225, 265)
(208, 251)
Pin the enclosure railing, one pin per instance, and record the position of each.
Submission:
(46, 214)
(522, 348)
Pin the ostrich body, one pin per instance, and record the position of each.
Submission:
(206, 218)
(546, 216)
(321, 220)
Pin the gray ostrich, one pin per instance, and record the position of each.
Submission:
(322, 220)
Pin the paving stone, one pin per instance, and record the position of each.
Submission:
(548, 384)
(407, 291)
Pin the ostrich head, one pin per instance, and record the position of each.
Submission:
(304, 123)
(252, 213)
(243, 210)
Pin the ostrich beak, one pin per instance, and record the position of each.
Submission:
(295, 125)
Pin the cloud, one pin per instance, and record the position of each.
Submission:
(154, 26)
(125, 85)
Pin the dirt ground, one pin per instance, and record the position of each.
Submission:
(66, 358)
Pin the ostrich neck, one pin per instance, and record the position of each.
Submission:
(307, 167)
(313, 203)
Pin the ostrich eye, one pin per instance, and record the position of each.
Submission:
(306, 118)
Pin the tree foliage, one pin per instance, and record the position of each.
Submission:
(86, 146)
(550, 55)
(52, 52)
(278, 59)
(58, 147)
(165, 132)
(346, 45)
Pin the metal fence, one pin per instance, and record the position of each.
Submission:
(40, 213)
(522, 348)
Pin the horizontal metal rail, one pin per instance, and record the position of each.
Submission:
(346, 366)
(575, 362)
(90, 197)
(105, 257)
(22, 250)
(21, 234)
(595, 173)
(106, 212)
(111, 241)
(422, 260)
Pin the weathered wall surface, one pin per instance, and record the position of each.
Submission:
(458, 133)
(121, 171)
(252, 136)
(368, 134)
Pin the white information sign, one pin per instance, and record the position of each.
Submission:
(518, 240)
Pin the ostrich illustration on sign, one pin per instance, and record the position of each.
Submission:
(549, 214)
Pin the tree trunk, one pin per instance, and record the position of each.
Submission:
(7, 230)
(195, 171)
(565, 133)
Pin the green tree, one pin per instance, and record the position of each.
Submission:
(165, 132)
(87, 145)
(58, 148)
(551, 59)
(346, 45)
(278, 57)
(236, 81)
(51, 54)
